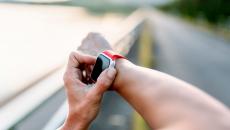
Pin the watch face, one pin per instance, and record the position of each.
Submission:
(102, 63)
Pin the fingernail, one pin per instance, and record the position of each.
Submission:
(111, 72)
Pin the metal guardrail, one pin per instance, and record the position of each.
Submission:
(25, 103)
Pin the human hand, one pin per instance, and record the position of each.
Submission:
(94, 44)
(84, 101)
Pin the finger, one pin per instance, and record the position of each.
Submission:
(104, 81)
(89, 69)
(71, 78)
(77, 58)
(88, 72)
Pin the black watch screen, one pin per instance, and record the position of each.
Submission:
(101, 64)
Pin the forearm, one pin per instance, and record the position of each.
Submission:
(163, 100)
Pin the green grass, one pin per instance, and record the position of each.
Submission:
(209, 15)
(205, 25)
(139, 123)
(145, 56)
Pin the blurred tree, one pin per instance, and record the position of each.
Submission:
(213, 10)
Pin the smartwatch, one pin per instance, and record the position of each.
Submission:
(104, 60)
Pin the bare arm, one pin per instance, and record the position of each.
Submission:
(165, 102)
(169, 103)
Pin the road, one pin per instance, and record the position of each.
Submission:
(192, 54)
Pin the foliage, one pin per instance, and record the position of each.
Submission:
(213, 10)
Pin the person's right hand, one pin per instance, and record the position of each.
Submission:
(84, 102)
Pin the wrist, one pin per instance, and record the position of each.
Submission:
(72, 123)
(122, 66)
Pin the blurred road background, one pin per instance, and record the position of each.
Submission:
(36, 37)
(192, 54)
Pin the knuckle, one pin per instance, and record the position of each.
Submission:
(92, 34)
(101, 81)
(72, 55)
(110, 78)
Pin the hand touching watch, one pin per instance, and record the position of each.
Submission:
(84, 102)
(104, 60)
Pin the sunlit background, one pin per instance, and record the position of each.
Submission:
(190, 39)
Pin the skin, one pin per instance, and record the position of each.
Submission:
(168, 103)
(165, 102)
(84, 100)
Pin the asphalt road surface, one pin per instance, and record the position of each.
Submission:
(192, 54)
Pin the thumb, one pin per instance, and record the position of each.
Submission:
(104, 81)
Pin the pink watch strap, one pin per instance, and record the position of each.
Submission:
(112, 55)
